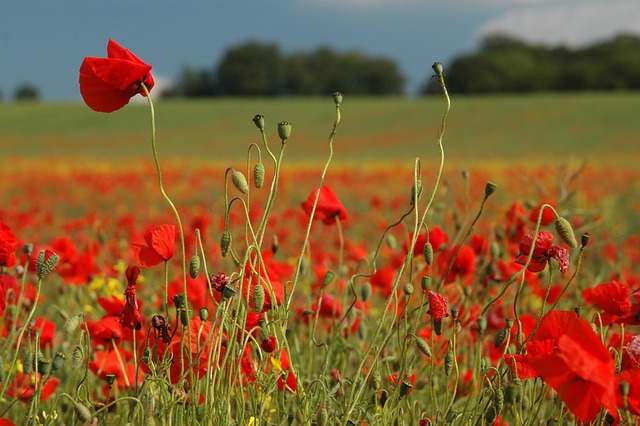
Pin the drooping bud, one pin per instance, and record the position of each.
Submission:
(428, 253)
(225, 243)
(194, 266)
(258, 175)
(72, 323)
(258, 120)
(239, 181)
(490, 415)
(565, 231)
(322, 418)
(329, 276)
(82, 412)
(258, 298)
(408, 289)
(448, 362)
(501, 337)
(489, 189)
(498, 400)
(423, 346)
(284, 130)
(365, 292)
(337, 98)
(376, 380)
(77, 359)
(46, 261)
(416, 191)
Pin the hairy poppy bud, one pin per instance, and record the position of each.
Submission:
(239, 181)
(322, 419)
(501, 337)
(77, 359)
(194, 266)
(376, 380)
(416, 191)
(365, 292)
(258, 120)
(565, 231)
(46, 261)
(225, 243)
(498, 400)
(337, 98)
(258, 298)
(329, 276)
(408, 289)
(284, 130)
(83, 412)
(448, 362)
(423, 346)
(72, 323)
(428, 253)
(258, 175)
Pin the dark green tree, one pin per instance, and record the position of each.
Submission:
(26, 92)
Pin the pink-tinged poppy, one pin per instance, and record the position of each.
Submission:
(542, 252)
(107, 84)
(329, 206)
(8, 246)
(160, 246)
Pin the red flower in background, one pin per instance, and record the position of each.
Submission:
(23, 387)
(542, 252)
(464, 264)
(612, 298)
(107, 84)
(160, 246)
(547, 214)
(8, 246)
(329, 206)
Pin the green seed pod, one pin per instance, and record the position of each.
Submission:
(329, 276)
(437, 67)
(284, 130)
(258, 175)
(27, 362)
(376, 380)
(482, 324)
(72, 323)
(194, 266)
(501, 337)
(489, 189)
(565, 231)
(490, 415)
(184, 317)
(448, 362)
(337, 98)
(225, 243)
(258, 120)
(405, 387)
(239, 181)
(584, 240)
(437, 327)
(498, 400)
(425, 282)
(83, 412)
(44, 364)
(423, 346)
(204, 314)
(408, 289)
(258, 298)
(414, 191)
(366, 291)
(179, 301)
(77, 359)
(46, 262)
(428, 253)
(58, 361)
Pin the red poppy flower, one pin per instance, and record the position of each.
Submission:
(329, 206)
(612, 298)
(268, 344)
(464, 265)
(8, 246)
(23, 387)
(160, 246)
(547, 215)
(130, 316)
(542, 252)
(107, 84)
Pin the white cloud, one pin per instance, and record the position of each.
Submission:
(574, 23)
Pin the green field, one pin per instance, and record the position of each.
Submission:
(528, 129)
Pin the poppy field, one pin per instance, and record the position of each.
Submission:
(323, 291)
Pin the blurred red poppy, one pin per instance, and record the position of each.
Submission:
(107, 84)
(8, 246)
(542, 252)
(329, 206)
(160, 246)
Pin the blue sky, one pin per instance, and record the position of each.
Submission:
(43, 42)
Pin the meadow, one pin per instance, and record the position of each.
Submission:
(408, 294)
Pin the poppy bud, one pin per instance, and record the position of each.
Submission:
(239, 181)
(77, 359)
(428, 253)
(322, 419)
(28, 249)
(179, 301)
(284, 130)
(365, 292)
(448, 362)
(455, 311)
(83, 412)
(329, 276)
(512, 393)
(494, 250)
(194, 266)
(489, 189)
(437, 67)
(376, 380)
(204, 314)
(184, 317)
(423, 346)
(437, 327)
(337, 98)
(624, 388)
(416, 191)
(501, 337)
(72, 323)
(585, 239)
(225, 243)
(408, 289)
(58, 361)
(258, 298)
(482, 324)
(258, 175)
(565, 231)
(498, 400)
(46, 261)
(258, 120)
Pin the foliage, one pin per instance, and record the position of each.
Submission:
(26, 92)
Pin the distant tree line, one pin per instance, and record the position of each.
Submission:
(504, 64)
(261, 69)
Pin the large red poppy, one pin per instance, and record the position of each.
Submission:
(8, 246)
(542, 252)
(329, 206)
(160, 246)
(107, 84)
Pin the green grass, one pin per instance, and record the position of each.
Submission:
(536, 128)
